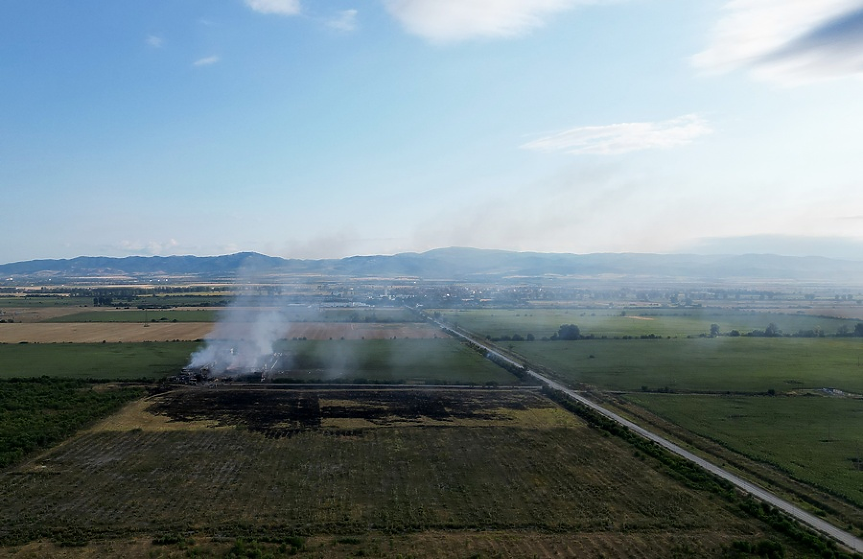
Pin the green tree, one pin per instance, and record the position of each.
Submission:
(568, 332)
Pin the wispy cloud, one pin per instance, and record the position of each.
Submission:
(457, 20)
(206, 61)
(278, 7)
(155, 41)
(345, 21)
(787, 41)
(154, 248)
(622, 138)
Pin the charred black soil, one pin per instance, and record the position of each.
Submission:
(283, 412)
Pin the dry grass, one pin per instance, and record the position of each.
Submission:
(135, 416)
(95, 332)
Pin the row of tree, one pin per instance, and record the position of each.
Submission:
(773, 331)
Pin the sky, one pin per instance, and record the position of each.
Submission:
(331, 128)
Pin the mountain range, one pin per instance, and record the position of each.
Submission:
(454, 263)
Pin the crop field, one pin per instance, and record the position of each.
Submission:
(465, 470)
(635, 322)
(815, 439)
(704, 364)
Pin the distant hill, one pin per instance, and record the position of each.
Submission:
(453, 263)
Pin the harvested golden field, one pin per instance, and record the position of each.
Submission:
(95, 332)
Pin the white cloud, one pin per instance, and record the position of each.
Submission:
(787, 41)
(153, 248)
(279, 7)
(155, 41)
(457, 20)
(625, 137)
(346, 21)
(206, 61)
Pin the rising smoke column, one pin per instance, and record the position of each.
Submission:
(243, 338)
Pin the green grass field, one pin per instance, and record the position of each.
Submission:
(818, 440)
(704, 364)
(442, 360)
(155, 315)
(115, 361)
(618, 323)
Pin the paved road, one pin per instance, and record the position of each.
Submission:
(847, 539)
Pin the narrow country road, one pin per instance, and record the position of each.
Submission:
(845, 538)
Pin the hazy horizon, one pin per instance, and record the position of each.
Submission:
(836, 249)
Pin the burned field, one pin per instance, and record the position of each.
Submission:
(278, 412)
(492, 468)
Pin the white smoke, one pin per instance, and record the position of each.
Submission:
(244, 338)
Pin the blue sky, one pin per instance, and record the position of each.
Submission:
(319, 129)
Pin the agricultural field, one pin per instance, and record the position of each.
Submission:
(108, 361)
(337, 472)
(613, 323)
(719, 387)
(703, 364)
(142, 316)
(94, 332)
(290, 313)
(443, 360)
(817, 439)
(7, 302)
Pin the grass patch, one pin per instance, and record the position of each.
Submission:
(817, 440)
